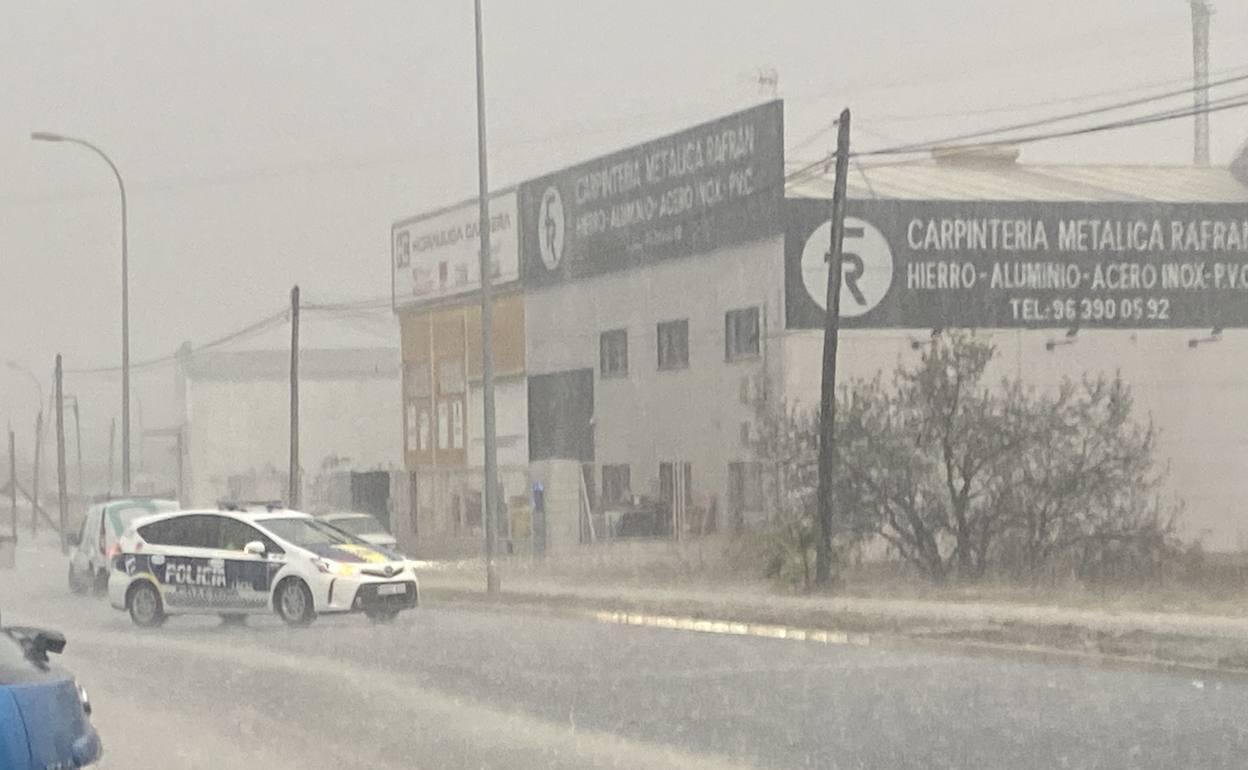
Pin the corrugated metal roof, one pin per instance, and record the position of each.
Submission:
(930, 180)
(314, 364)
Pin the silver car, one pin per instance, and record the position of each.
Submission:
(365, 526)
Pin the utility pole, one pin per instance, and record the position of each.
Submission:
(13, 479)
(78, 441)
(112, 442)
(489, 491)
(1201, 11)
(60, 452)
(294, 397)
(181, 472)
(831, 331)
(34, 484)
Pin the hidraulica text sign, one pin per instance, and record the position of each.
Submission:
(713, 185)
(1010, 264)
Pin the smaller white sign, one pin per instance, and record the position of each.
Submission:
(437, 255)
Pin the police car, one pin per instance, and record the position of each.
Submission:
(235, 563)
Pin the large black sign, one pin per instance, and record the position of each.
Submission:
(939, 264)
(710, 186)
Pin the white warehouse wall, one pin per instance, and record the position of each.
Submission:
(1196, 398)
(689, 415)
(242, 427)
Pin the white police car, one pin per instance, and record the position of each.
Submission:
(233, 564)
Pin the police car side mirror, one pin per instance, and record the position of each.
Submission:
(255, 548)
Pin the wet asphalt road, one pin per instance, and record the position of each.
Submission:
(459, 687)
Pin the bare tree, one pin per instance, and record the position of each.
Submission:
(960, 475)
(929, 455)
(1092, 480)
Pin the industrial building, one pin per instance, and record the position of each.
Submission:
(646, 299)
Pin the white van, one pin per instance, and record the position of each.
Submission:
(96, 542)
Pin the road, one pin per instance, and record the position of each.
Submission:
(452, 687)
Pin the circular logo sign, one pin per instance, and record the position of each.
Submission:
(866, 266)
(550, 228)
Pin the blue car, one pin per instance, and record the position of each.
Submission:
(45, 717)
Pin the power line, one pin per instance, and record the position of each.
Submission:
(264, 324)
(923, 146)
(1241, 100)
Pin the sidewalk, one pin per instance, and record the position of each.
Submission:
(1206, 641)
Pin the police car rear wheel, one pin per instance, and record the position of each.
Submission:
(145, 606)
(76, 585)
(294, 603)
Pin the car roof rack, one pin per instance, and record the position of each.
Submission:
(243, 506)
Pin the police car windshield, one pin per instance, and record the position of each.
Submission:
(307, 532)
(359, 525)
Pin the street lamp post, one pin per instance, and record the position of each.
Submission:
(43, 136)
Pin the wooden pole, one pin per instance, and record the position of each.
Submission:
(294, 398)
(34, 484)
(181, 477)
(831, 331)
(78, 441)
(112, 443)
(13, 479)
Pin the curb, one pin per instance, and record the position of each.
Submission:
(890, 635)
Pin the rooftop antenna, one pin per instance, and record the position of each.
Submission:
(768, 82)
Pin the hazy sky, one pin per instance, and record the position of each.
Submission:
(266, 144)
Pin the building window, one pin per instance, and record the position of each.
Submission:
(613, 353)
(745, 491)
(741, 334)
(616, 484)
(672, 476)
(674, 344)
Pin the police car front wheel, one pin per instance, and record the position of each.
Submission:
(146, 608)
(294, 602)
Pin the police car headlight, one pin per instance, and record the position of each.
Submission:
(339, 569)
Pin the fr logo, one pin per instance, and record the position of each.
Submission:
(402, 249)
(866, 266)
(550, 228)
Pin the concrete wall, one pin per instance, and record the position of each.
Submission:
(1198, 398)
(690, 415)
(242, 428)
